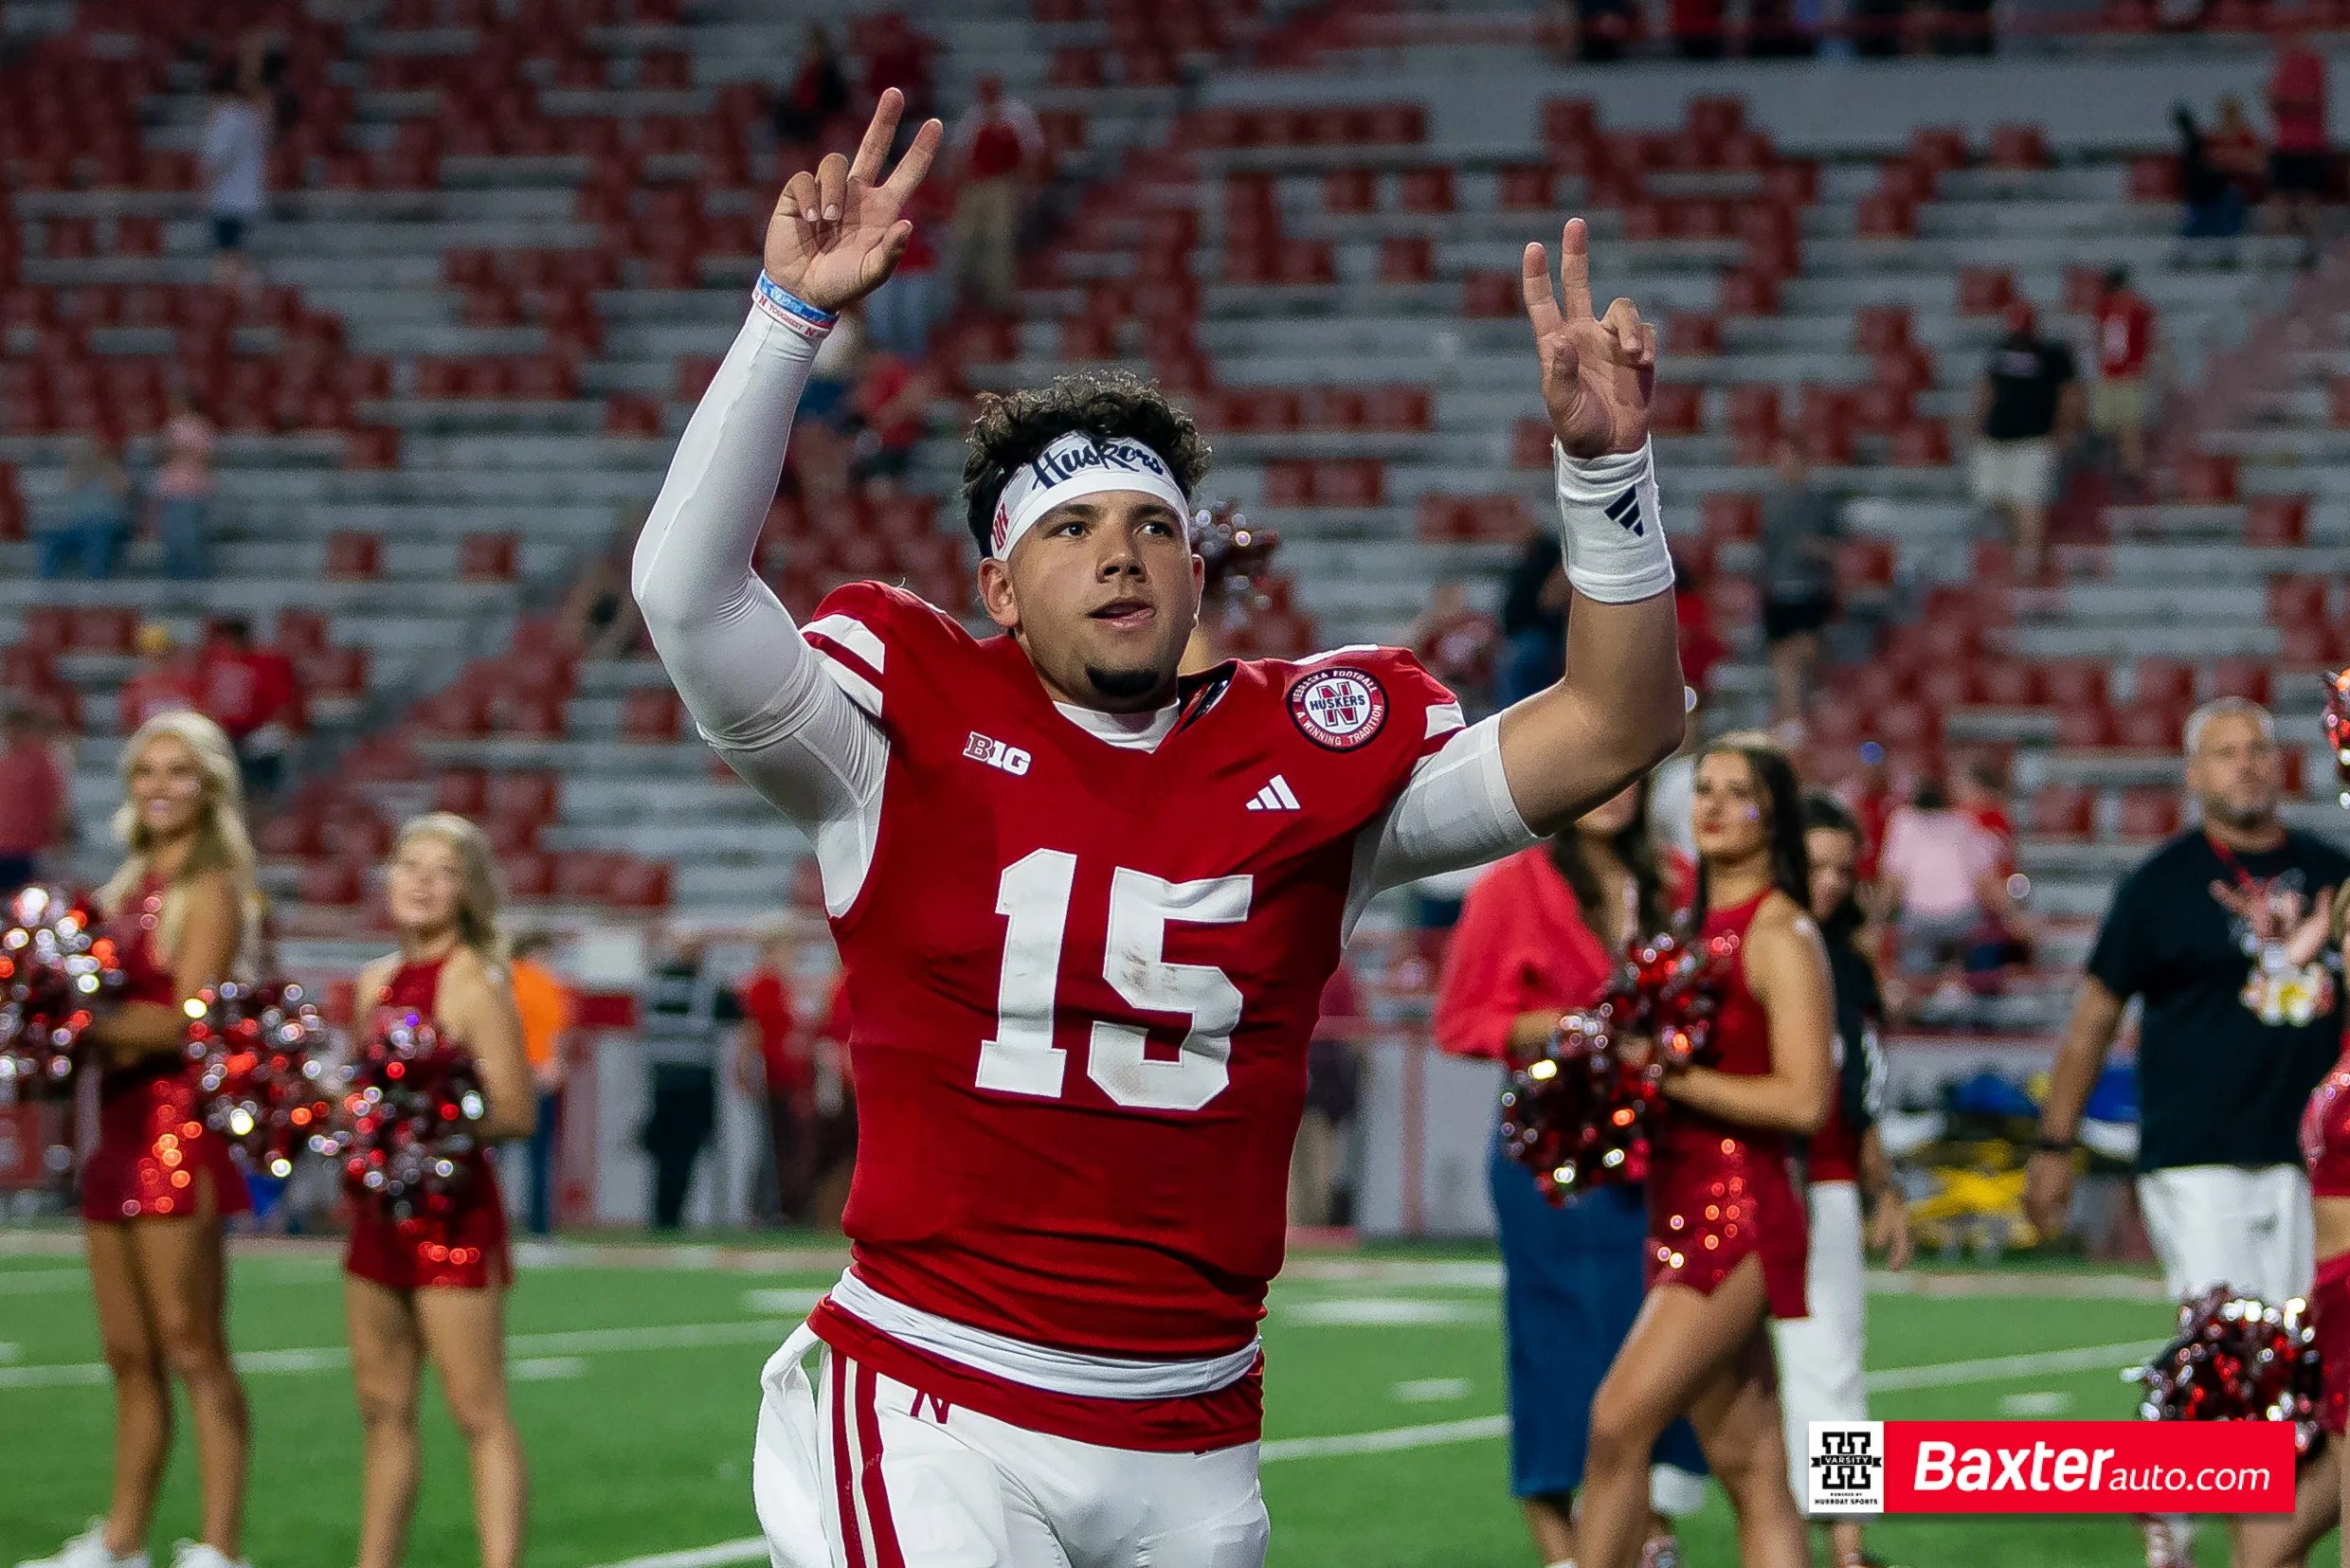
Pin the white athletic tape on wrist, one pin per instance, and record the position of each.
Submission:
(1074, 466)
(1613, 526)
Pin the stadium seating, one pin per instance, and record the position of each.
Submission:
(513, 239)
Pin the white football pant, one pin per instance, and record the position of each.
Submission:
(1820, 1356)
(861, 1471)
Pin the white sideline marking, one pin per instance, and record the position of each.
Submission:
(583, 1342)
(2046, 1402)
(1430, 1390)
(786, 1303)
(1480, 1429)
(547, 1369)
(1386, 1313)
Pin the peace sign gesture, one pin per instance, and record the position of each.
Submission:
(835, 233)
(1597, 373)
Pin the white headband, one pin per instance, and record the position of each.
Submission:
(1076, 465)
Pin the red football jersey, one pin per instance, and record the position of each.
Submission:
(1083, 977)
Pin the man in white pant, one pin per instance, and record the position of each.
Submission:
(2232, 1038)
(1820, 1356)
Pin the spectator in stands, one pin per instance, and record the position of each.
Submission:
(899, 314)
(600, 617)
(2238, 152)
(1333, 1083)
(2299, 158)
(890, 406)
(835, 1110)
(164, 682)
(2027, 409)
(183, 489)
(685, 1015)
(1458, 643)
(822, 445)
(996, 157)
(2212, 203)
(1801, 524)
(1979, 791)
(93, 513)
(2233, 1034)
(1702, 647)
(36, 810)
(1938, 883)
(2120, 404)
(1533, 619)
(776, 1065)
(1603, 30)
(548, 1011)
(252, 694)
(235, 162)
(1696, 27)
(819, 92)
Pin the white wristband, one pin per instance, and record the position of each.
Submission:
(1612, 526)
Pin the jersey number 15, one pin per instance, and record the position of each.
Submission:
(1033, 896)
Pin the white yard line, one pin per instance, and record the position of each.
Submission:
(583, 1342)
(1484, 1428)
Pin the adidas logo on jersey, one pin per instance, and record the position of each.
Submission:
(1276, 796)
(996, 755)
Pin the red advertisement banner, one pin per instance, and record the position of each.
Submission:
(2052, 1467)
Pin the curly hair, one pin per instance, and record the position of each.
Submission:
(1013, 430)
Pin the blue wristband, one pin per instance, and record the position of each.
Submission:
(781, 300)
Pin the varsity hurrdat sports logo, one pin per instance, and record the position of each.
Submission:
(1845, 1467)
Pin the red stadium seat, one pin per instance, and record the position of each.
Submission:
(1350, 190)
(2164, 683)
(1985, 291)
(1920, 443)
(2241, 677)
(2072, 684)
(1878, 328)
(529, 877)
(1491, 294)
(653, 715)
(1397, 408)
(1695, 332)
(1407, 259)
(2149, 813)
(1885, 215)
(2277, 520)
(2063, 811)
(462, 791)
(1676, 408)
(2083, 729)
(1427, 190)
(1863, 563)
(455, 712)
(637, 885)
(331, 884)
(2207, 479)
(104, 629)
(351, 555)
(1528, 187)
(487, 558)
(289, 835)
(2147, 726)
(1725, 516)
(532, 795)
(2154, 177)
(2004, 683)
(2017, 147)
(1749, 294)
(355, 836)
(2298, 600)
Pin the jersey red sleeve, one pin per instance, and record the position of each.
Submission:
(862, 629)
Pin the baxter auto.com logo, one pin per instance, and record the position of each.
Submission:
(1845, 1467)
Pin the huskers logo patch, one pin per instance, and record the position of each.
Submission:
(1340, 708)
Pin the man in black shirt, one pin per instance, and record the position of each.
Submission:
(2233, 1036)
(683, 1020)
(2027, 408)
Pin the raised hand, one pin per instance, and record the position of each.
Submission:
(1597, 372)
(835, 233)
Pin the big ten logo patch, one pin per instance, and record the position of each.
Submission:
(1011, 758)
(1340, 708)
(1844, 1464)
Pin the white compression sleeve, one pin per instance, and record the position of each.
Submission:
(1613, 525)
(1457, 811)
(756, 689)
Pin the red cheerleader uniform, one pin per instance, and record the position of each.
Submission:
(155, 1155)
(2325, 1148)
(464, 1250)
(1719, 1190)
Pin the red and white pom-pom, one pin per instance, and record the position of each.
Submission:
(410, 1114)
(56, 968)
(1577, 1114)
(2236, 1359)
(260, 1058)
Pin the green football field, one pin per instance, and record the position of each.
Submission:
(635, 1375)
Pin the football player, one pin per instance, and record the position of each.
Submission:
(1086, 907)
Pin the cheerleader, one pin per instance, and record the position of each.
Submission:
(434, 1289)
(1820, 1356)
(1538, 936)
(158, 1185)
(1725, 1232)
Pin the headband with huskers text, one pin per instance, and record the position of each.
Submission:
(1074, 466)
